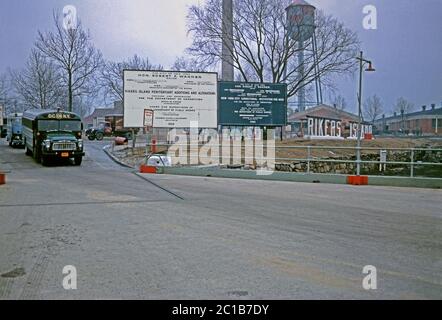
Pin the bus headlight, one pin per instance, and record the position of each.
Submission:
(80, 144)
(47, 144)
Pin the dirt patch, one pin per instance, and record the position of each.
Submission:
(289, 150)
(338, 153)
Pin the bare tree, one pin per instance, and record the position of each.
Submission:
(3, 90)
(5, 93)
(373, 108)
(112, 74)
(340, 102)
(262, 48)
(403, 106)
(37, 85)
(83, 105)
(184, 63)
(75, 56)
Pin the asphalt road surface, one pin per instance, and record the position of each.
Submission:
(171, 237)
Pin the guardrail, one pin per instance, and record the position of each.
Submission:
(311, 159)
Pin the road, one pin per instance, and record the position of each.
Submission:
(172, 237)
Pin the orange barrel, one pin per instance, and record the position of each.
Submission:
(154, 145)
(147, 169)
(357, 180)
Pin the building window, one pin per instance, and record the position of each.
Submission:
(439, 123)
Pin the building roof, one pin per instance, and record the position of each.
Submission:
(417, 114)
(323, 111)
(117, 109)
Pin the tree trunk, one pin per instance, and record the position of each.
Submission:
(70, 91)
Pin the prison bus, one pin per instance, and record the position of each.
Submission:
(53, 135)
(14, 129)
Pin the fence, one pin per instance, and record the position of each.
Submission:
(310, 159)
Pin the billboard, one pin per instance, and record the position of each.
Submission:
(252, 104)
(176, 98)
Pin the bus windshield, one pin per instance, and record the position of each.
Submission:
(15, 121)
(55, 125)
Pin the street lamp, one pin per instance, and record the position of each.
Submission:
(370, 68)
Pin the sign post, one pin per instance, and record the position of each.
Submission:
(148, 127)
(383, 160)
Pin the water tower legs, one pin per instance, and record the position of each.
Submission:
(301, 73)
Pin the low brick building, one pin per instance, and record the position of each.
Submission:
(324, 121)
(99, 115)
(427, 122)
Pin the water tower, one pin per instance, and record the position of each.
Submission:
(301, 28)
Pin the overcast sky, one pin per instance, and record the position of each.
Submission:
(406, 48)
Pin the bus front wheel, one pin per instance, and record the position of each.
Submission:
(37, 155)
(44, 160)
(78, 160)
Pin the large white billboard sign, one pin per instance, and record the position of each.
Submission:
(176, 98)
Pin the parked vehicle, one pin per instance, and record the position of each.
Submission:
(3, 129)
(98, 133)
(53, 135)
(14, 130)
(112, 127)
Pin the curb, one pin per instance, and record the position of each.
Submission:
(115, 159)
(426, 183)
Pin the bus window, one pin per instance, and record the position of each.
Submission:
(47, 125)
(70, 125)
(51, 125)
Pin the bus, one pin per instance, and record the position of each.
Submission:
(14, 129)
(53, 134)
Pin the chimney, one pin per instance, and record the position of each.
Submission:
(334, 105)
(433, 106)
(424, 108)
(395, 113)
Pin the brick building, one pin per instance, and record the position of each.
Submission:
(99, 115)
(427, 122)
(324, 121)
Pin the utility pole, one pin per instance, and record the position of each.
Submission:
(362, 61)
